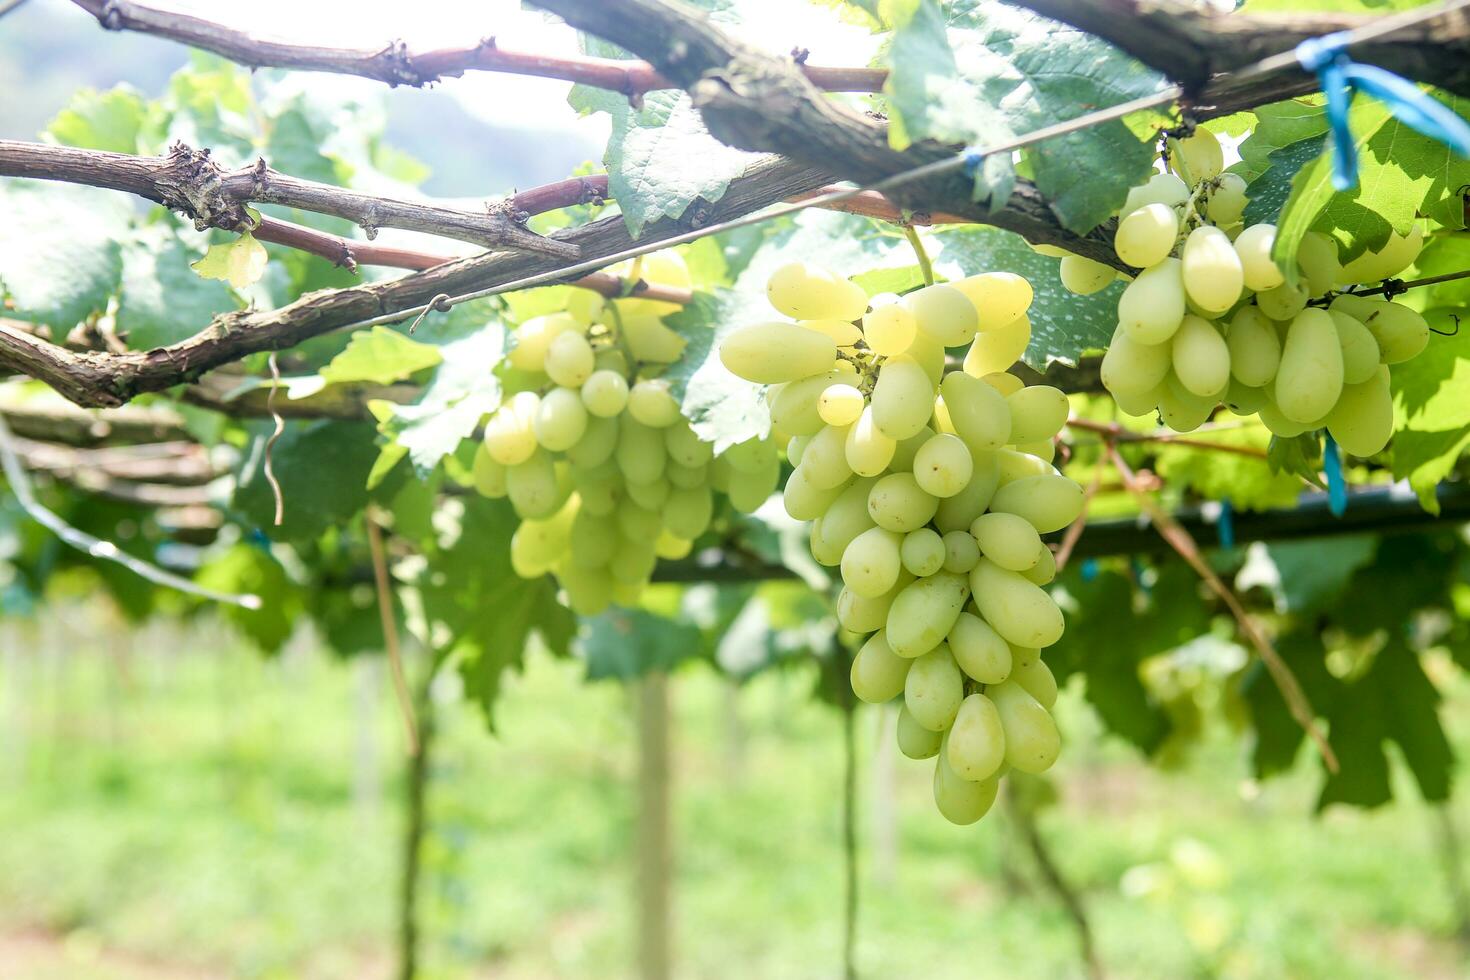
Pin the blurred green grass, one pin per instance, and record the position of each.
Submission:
(172, 805)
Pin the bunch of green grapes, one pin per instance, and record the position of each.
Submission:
(930, 492)
(1211, 320)
(594, 455)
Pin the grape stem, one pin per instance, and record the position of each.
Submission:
(1393, 287)
(1112, 432)
(926, 267)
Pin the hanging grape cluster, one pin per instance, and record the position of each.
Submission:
(1211, 320)
(594, 455)
(930, 492)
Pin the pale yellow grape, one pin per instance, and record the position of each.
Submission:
(1045, 449)
(670, 547)
(1227, 201)
(1362, 419)
(999, 298)
(569, 359)
(905, 450)
(980, 414)
(1243, 399)
(924, 611)
(903, 398)
(1138, 404)
(1013, 465)
(878, 674)
(825, 458)
(651, 403)
(683, 476)
(1037, 412)
(649, 340)
(771, 353)
(1360, 354)
(599, 488)
(996, 349)
(510, 435)
(752, 454)
(961, 553)
(1032, 740)
(1036, 677)
(593, 541)
(1044, 570)
(1009, 541)
(533, 339)
(959, 800)
(822, 550)
(914, 740)
(488, 475)
(749, 489)
(1401, 333)
(1396, 255)
(929, 354)
(868, 450)
(796, 448)
(1213, 274)
(1258, 269)
(859, 614)
(1152, 306)
(1310, 376)
(584, 305)
(1006, 384)
(840, 404)
(532, 486)
(871, 562)
(979, 649)
(687, 512)
(1254, 347)
(803, 500)
(958, 512)
(599, 441)
(1181, 409)
(922, 551)
(605, 393)
(794, 405)
(1129, 367)
(641, 453)
(933, 689)
(610, 359)
(944, 314)
(807, 292)
(1084, 276)
(848, 515)
(1201, 358)
(537, 545)
(1283, 302)
(1201, 155)
(1165, 189)
(842, 333)
(889, 329)
(898, 503)
(685, 447)
(1279, 424)
(976, 743)
(561, 419)
(941, 420)
(1146, 236)
(1316, 256)
(943, 466)
(1021, 612)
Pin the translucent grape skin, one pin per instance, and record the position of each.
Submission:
(979, 650)
(1009, 541)
(914, 740)
(961, 801)
(878, 675)
(1032, 740)
(999, 298)
(922, 552)
(1201, 357)
(889, 328)
(924, 611)
(1146, 236)
(605, 393)
(773, 353)
(1212, 270)
(1152, 306)
(1020, 611)
(977, 743)
(943, 466)
(1309, 379)
(903, 398)
(933, 689)
(944, 313)
(871, 562)
(898, 503)
(1253, 247)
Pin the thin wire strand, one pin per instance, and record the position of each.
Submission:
(269, 467)
(20, 485)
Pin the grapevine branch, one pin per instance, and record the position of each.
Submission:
(389, 622)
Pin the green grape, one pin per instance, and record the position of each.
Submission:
(1227, 201)
(1397, 254)
(878, 674)
(1243, 399)
(605, 393)
(889, 328)
(1152, 306)
(841, 332)
(488, 475)
(804, 501)
(639, 525)
(1014, 465)
(584, 305)
(1283, 302)
(961, 553)
(593, 541)
(1131, 368)
(1147, 236)
(599, 489)
(670, 547)
(1181, 409)
(796, 448)
(1258, 269)
(840, 404)
(569, 359)
(871, 562)
(903, 398)
(1044, 570)
(924, 611)
(1006, 384)
(1360, 354)
(771, 353)
(1279, 424)
(1139, 404)
(651, 403)
(510, 435)
(1165, 189)
(1009, 541)
(533, 339)
(1213, 274)
(821, 549)
(976, 742)
(650, 496)
(1401, 333)
(599, 441)
(807, 292)
(922, 551)
(1084, 276)
(640, 454)
(752, 455)
(687, 513)
(1020, 611)
(914, 740)
(929, 354)
(635, 561)
(1200, 154)
(999, 298)
(686, 477)
(686, 448)
(848, 516)
(1362, 419)
(1310, 376)
(898, 503)
(956, 513)
(943, 466)
(998, 348)
(943, 313)
(958, 800)
(825, 458)
(933, 689)
(537, 545)
(532, 486)
(1032, 740)
(589, 590)
(905, 450)
(794, 406)
(561, 419)
(1254, 348)
(979, 413)
(1316, 256)
(979, 649)
(1036, 677)
(868, 450)
(1201, 358)
(859, 614)
(1037, 412)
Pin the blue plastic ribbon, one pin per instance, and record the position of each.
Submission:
(1225, 526)
(973, 159)
(1089, 569)
(1342, 78)
(1336, 485)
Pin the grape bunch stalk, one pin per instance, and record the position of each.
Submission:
(930, 492)
(591, 448)
(1210, 319)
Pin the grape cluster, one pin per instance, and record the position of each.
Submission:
(1210, 318)
(594, 455)
(930, 492)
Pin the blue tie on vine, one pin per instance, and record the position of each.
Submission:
(1342, 78)
(1337, 496)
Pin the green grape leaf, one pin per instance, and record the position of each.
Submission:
(1269, 191)
(162, 302)
(627, 643)
(111, 120)
(1431, 414)
(240, 263)
(1278, 125)
(322, 468)
(464, 390)
(247, 568)
(1278, 735)
(381, 356)
(59, 256)
(1310, 574)
(1300, 455)
(660, 159)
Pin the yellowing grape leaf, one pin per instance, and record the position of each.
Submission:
(239, 263)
